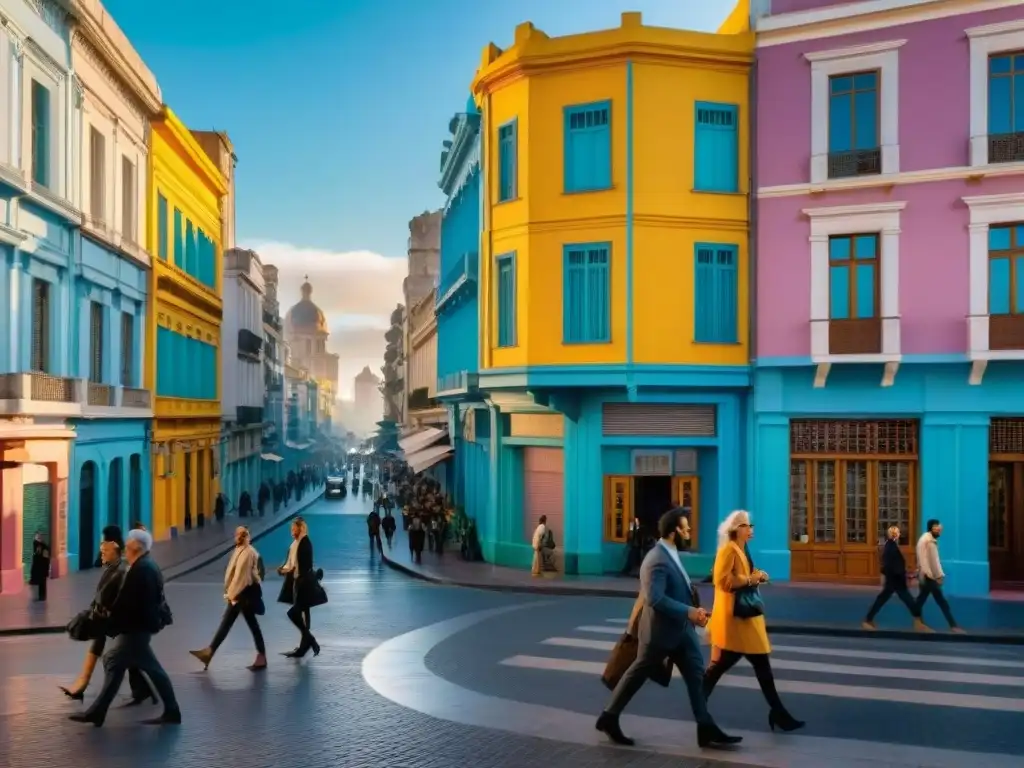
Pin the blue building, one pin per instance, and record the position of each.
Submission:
(457, 311)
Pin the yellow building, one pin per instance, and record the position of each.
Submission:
(614, 291)
(184, 203)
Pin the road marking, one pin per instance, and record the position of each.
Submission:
(580, 642)
(601, 630)
(916, 658)
(832, 690)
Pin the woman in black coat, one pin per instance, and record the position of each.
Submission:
(301, 588)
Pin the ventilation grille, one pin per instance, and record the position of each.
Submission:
(1006, 436)
(891, 437)
(657, 420)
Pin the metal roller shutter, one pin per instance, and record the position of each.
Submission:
(543, 491)
(35, 517)
(657, 420)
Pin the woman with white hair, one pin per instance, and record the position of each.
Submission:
(737, 626)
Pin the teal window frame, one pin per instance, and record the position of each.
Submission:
(506, 299)
(587, 293)
(1006, 269)
(593, 140)
(716, 293)
(716, 147)
(854, 276)
(508, 161)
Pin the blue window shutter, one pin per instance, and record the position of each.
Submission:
(190, 248)
(508, 146)
(587, 164)
(598, 298)
(179, 243)
(586, 289)
(704, 286)
(161, 227)
(716, 148)
(40, 134)
(716, 293)
(727, 312)
(573, 293)
(506, 290)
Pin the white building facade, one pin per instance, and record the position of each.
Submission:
(242, 373)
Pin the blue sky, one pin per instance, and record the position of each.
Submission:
(337, 109)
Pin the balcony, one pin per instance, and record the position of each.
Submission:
(993, 337)
(248, 415)
(249, 346)
(458, 283)
(1006, 148)
(40, 394)
(272, 320)
(868, 340)
(856, 162)
(457, 383)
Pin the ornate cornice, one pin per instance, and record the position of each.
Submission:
(99, 62)
(54, 68)
(189, 147)
(457, 156)
(52, 14)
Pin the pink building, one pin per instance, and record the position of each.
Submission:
(890, 286)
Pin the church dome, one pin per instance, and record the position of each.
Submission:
(306, 317)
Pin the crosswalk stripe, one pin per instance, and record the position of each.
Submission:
(617, 621)
(580, 642)
(916, 658)
(601, 630)
(831, 690)
(898, 673)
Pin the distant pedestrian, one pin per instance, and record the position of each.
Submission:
(301, 588)
(373, 528)
(894, 573)
(39, 572)
(244, 595)
(930, 574)
(543, 544)
(389, 525)
(417, 538)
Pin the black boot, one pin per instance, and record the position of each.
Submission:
(608, 724)
(778, 717)
(710, 735)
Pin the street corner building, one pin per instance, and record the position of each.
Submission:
(614, 350)
(185, 200)
(889, 384)
(73, 280)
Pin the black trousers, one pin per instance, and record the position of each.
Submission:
(900, 590)
(375, 542)
(136, 680)
(690, 662)
(762, 671)
(299, 616)
(132, 651)
(933, 588)
(227, 621)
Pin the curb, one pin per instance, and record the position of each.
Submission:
(779, 628)
(201, 560)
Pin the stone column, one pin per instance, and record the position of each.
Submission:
(12, 575)
(58, 478)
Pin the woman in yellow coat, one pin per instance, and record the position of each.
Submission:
(733, 637)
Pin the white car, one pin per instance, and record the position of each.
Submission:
(335, 486)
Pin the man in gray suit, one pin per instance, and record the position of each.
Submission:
(666, 630)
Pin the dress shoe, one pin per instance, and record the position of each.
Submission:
(608, 724)
(88, 717)
(171, 717)
(713, 736)
(294, 653)
(136, 701)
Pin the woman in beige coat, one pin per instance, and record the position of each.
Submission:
(244, 596)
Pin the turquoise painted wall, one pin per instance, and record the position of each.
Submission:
(953, 444)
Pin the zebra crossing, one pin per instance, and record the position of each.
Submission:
(962, 676)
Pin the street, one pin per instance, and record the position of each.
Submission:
(419, 676)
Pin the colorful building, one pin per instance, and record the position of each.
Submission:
(110, 456)
(890, 271)
(184, 331)
(614, 255)
(457, 312)
(39, 218)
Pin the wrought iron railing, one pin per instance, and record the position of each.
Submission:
(856, 162)
(136, 398)
(1006, 147)
(100, 394)
(52, 389)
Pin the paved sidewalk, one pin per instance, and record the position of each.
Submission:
(806, 609)
(20, 614)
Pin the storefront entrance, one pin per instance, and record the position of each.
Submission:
(1006, 504)
(848, 482)
(646, 498)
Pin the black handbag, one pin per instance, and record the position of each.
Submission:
(83, 626)
(252, 599)
(748, 603)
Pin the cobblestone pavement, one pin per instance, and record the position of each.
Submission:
(315, 713)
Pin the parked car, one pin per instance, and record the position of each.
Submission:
(336, 487)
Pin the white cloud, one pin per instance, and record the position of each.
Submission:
(357, 291)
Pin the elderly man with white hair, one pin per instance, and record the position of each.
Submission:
(138, 613)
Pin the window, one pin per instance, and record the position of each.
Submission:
(506, 296)
(508, 161)
(161, 226)
(853, 277)
(95, 342)
(128, 199)
(586, 287)
(40, 134)
(179, 241)
(127, 349)
(1006, 107)
(716, 148)
(716, 293)
(853, 108)
(588, 147)
(1006, 269)
(97, 175)
(190, 249)
(40, 361)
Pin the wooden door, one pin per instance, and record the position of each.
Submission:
(1006, 523)
(618, 507)
(686, 495)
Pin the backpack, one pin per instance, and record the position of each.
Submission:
(548, 542)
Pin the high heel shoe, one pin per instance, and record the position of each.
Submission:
(784, 721)
(294, 653)
(315, 646)
(73, 695)
(205, 656)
